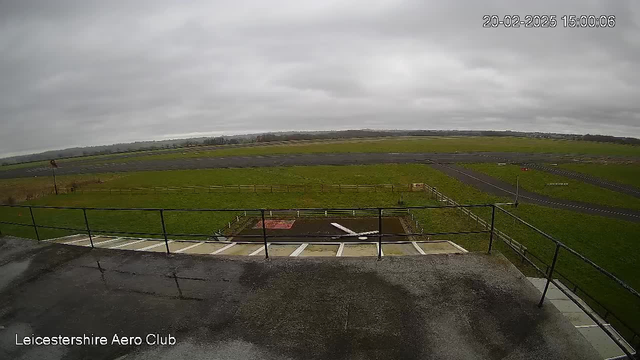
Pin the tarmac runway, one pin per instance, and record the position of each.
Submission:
(589, 179)
(492, 185)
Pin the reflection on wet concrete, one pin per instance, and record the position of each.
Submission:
(110, 279)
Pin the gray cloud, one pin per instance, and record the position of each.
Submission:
(79, 73)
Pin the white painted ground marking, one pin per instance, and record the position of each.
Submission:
(75, 241)
(349, 231)
(154, 245)
(63, 237)
(353, 233)
(222, 249)
(189, 247)
(106, 242)
(261, 249)
(590, 326)
(458, 247)
(418, 248)
(340, 249)
(126, 244)
(299, 250)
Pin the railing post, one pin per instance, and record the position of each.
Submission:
(164, 231)
(379, 233)
(86, 223)
(33, 220)
(549, 277)
(264, 235)
(493, 218)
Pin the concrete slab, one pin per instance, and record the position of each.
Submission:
(414, 307)
(601, 341)
(320, 250)
(69, 238)
(281, 250)
(109, 242)
(161, 247)
(579, 318)
(399, 249)
(138, 245)
(439, 248)
(359, 250)
(583, 322)
(206, 248)
(179, 245)
(565, 306)
(84, 241)
(241, 249)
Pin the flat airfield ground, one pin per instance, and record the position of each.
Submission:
(617, 253)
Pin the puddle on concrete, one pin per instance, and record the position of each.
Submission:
(12, 271)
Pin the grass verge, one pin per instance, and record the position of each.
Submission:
(576, 190)
(623, 173)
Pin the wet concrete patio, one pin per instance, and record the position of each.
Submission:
(450, 306)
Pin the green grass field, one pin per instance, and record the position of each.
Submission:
(622, 173)
(410, 144)
(21, 189)
(536, 181)
(609, 242)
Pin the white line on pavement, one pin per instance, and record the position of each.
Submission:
(222, 249)
(106, 242)
(154, 245)
(299, 250)
(418, 248)
(126, 244)
(189, 247)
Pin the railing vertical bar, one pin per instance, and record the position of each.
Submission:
(493, 218)
(33, 220)
(86, 223)
(379, 233)
(264, 235)
(164, 231)
(550, 275)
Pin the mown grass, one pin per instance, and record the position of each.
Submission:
(21, 189)
(536, 181)
(410, 144)
(610, 243)
(622, 173)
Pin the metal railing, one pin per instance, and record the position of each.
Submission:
(525, 255)
(376, 212)
(549, 273)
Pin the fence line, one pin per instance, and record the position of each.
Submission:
(440, 197)
(378, 212)
(255, 188)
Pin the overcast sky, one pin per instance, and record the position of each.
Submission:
(76, 73)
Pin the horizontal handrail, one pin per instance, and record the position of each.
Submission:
(244, 209)
(580, 256)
